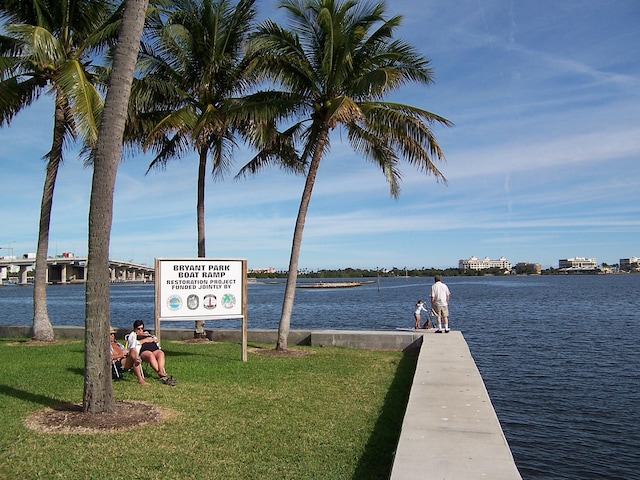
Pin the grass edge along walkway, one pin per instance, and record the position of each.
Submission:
(333, 414)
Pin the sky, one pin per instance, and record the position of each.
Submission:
(542, 163)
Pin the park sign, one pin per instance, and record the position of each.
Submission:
(200, 289)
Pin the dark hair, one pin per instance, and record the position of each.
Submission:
(137, 324)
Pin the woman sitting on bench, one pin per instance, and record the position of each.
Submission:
(147, 349)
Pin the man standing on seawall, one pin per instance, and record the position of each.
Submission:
(440, 296)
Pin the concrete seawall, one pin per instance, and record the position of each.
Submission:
(450, 429)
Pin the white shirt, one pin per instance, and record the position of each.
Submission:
(420, 306)
(440, 294)
(132, 342)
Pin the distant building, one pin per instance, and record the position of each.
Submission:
(578, 263)
(5, 271)
(474, 263)
(628, 264)
(261, 270)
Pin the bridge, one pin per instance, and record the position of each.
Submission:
(71, 269)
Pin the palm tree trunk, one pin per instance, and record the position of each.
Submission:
(292, 276)
(199, 331)
(202, 173)
(98, 391)
(42, 329)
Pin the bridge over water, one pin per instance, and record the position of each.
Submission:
(74, 270)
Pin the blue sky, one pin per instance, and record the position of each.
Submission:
(543, 162)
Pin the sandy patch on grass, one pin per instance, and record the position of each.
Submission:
(39, 343)
(200, 340)
(69, 418)
(280, 353)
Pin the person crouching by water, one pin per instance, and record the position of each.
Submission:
(146, 345)
(416, 314)
(127, 360)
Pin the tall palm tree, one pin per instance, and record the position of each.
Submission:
(98, 391)
(50, 47)
(335, 67)
(188, 98)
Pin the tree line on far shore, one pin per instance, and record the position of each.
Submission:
(528, 269)
(380, 272)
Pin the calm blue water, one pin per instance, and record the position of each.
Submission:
(558, 354)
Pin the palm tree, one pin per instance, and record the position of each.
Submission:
(334, 67)
(98, 392)
(189, 95)
(50, 47)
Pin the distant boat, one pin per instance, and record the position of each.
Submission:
(330, 284)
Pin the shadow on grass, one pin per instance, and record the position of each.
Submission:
(29, 396)
(377, 459)
(76, 371)
(175, 353)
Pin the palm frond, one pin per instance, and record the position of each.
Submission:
(38, 46)
(168, 149)
(222, 148)
(406, 130)
(84, 99)
(277, 149)
(180, 121)
(16, 95)
(279, 55)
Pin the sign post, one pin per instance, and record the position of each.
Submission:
(190, 289)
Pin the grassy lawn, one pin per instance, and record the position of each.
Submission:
(333, 414)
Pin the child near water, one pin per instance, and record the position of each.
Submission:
(416, 314)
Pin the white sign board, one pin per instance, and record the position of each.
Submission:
(200, 288)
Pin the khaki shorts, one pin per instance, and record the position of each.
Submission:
(440, 310)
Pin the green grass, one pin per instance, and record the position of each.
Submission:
(334, 414)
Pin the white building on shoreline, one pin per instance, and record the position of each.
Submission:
(628, 264)
(474, 263)
(578, 263)
(261, 270)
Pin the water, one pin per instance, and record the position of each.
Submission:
(558, 354)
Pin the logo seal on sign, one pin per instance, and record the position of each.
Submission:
(210, 302)
(228, 300)
(174, 302)
(192, 302)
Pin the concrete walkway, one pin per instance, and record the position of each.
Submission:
(450, 429)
